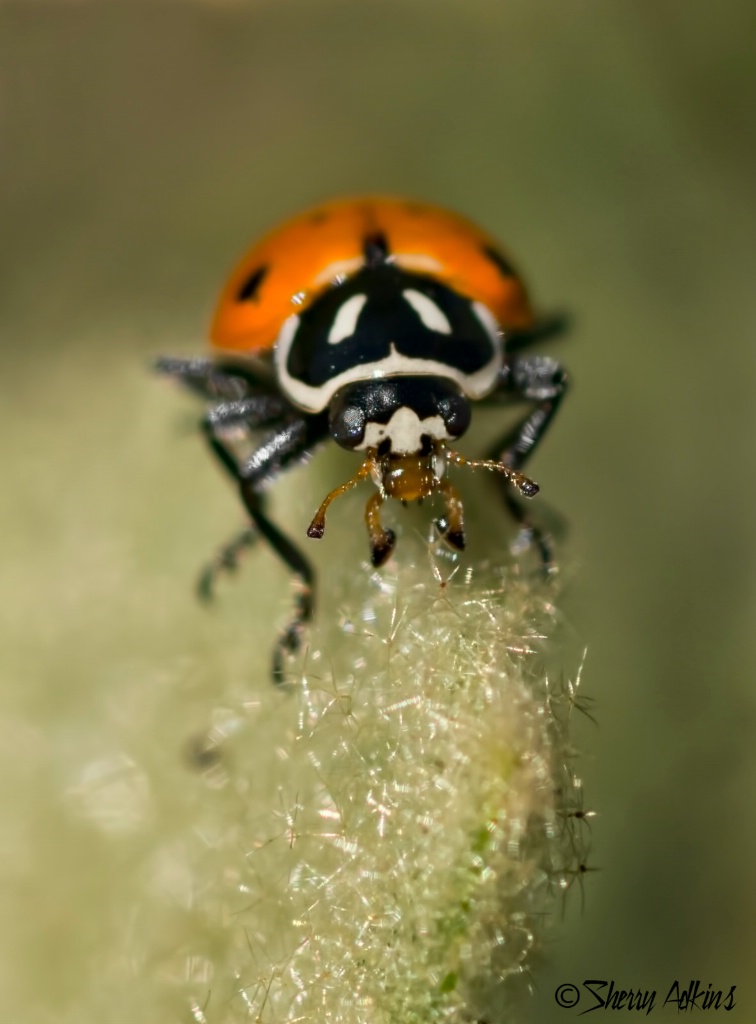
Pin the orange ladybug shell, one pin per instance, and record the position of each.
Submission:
(293, 264)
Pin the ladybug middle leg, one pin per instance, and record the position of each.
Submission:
(226, 560)
(243, 403)
(247, 400)
(288, 443)
(207, 378)
(542, 380)
(254, 411)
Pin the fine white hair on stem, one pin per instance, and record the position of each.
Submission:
(411, 815)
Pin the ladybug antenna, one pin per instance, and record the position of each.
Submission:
(316, 529)
(528, 488)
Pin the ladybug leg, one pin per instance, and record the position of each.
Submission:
(260, 410)
(226, 417)
(541, 380)
(288, 444)
(451, 526)
(226, 560)
(537, 379)
(290, 640)
(382, 541)
(204, 377)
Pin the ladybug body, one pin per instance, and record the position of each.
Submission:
(378, 323)
(305, 257)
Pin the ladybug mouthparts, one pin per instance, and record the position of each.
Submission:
(412, 477)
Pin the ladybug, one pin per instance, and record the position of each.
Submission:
(377, 323)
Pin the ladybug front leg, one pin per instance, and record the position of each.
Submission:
(204, 377)
(382, 541)
(252, 412)
(288, 444)
(244, 401)
(542, 380)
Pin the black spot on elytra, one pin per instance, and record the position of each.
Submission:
(375, 249)
(250, 287)
(500, 261)
(318, 217)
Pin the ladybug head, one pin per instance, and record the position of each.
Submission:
(398, 415)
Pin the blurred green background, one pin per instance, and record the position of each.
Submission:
(611, 147)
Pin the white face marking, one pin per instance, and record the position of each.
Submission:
(345, 323)
(405, 429)
(315, 399)
(428, 311)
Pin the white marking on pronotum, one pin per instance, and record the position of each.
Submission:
(315, 399)
(433, 318)
(488, 320)
(345, 323)
(406, 430)
(286, 335)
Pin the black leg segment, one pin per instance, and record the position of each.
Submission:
(536, 379)
(226, 560)
(289, 443)
(541, 380)
(259, 410)
(290, 639)
(204, 377)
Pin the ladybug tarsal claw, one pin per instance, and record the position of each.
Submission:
(455, 538)
(528, 488)
(381, 547)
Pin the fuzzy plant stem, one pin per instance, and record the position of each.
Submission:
(410, 815)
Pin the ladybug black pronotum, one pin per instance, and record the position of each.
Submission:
(377, 323)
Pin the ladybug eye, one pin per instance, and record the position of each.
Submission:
(501, 262)
(250, 287)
